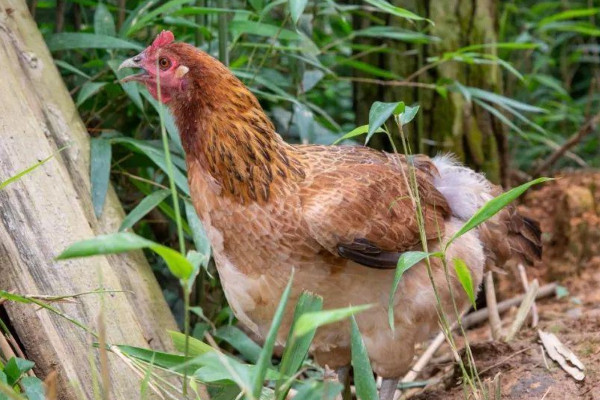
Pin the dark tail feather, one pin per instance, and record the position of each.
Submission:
(511, 235)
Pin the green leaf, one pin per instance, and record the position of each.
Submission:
(158, 157)
(15, 367)
(104, 24)
(395, 33)
(569, 14)
(198, 233)
(132, 89)
(366, 67)
(493, 206)
(296, 9)
(238, 27)
(143, 208)
(240, 341)
(361, 130)
(70, 41)
(364, 382)
(146, 17)
(264, 360)
(397, 11)
(69, 67)
(87, 90)
(296, 349)
(408, 114)
(464, 276)
(34, 388)
(314, 390)
(134, 15)
(406, 261)
(379, 113)
(124, 241)
(19, 175)
(101, 154)
(196, 347)
(502, 101)
(161, 359)
(312, 320)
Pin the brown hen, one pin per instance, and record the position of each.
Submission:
(340, 216)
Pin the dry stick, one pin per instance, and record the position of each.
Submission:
(535, 317)
(5, 348)
(583, 131)
(467, 321)
(523, 310)
(492, 306)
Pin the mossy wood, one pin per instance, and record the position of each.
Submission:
(50, 208)
(443, 125)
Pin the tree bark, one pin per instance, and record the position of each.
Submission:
(452, 124)
(50, 208)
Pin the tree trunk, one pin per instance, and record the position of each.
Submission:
(452, 124)
(50, 208)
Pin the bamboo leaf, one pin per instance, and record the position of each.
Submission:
(493, 206)
(143, 208)
(264, 360)
(101, 154)
(379, 113)
(196, 347)
(238, 27)
(366, 387)
(124, 241)
(87, 90)
(408, 115)
(466, 280)
(312, 320)
(296, 348)
(77, 40)
(397, 11)
(406, 261)
(104, 24)
(240, 341)
(569, 14)
(34, 388)
(296, 9)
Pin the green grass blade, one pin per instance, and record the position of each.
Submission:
(494, 206)
(101, 154)
(406, 261)
(72, 40)
(296, 348)
(464, 277)
(312, 320)
(240, 341)
(196, 347)
(104, 23)
(124, 241)
(364, 382)
(264, 360)
(143, 208)
(296, 9)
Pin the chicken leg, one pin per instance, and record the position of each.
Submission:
(388, 388)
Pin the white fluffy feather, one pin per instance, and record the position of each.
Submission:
(465, 190)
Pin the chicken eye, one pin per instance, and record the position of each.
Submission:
(164, 63)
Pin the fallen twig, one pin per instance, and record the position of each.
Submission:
(562, 355)
(583, 131)
(467, 321)
(535, 318)
(492, 306)
(523, 310)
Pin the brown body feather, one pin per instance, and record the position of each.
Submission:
(327, 212)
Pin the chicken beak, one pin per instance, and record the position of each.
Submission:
(134, 62)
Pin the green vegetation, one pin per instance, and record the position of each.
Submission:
(303, 60)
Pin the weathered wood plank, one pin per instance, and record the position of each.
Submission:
(51, 208)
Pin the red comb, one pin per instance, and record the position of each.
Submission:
(163, 38)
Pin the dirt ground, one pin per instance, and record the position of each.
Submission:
(569, 213)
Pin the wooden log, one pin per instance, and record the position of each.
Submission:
(50, 208)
